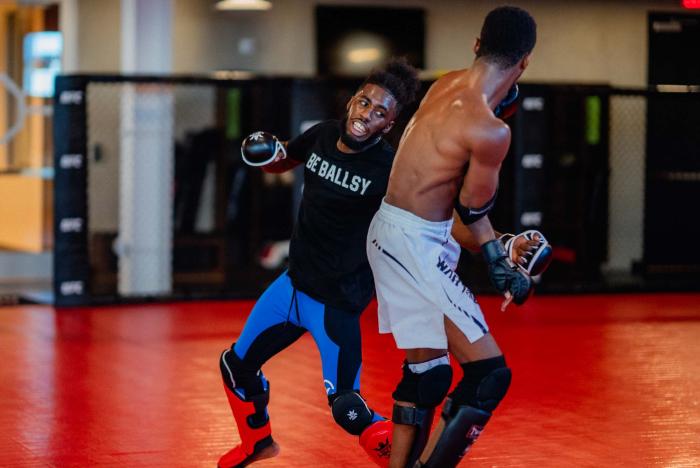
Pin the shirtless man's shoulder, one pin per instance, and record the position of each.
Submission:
(463, 118)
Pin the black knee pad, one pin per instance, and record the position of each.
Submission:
(426, 389)
(351, 412)
(237, 374)
(483, 385)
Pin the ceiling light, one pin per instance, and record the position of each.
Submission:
(243, 5)
(363, 55)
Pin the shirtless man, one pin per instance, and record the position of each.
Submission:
(448, 162)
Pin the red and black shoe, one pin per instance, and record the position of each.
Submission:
(254, 428)
(376, 440)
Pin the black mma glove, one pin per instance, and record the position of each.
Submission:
(261, 148)
(505, 276)
(536, 260)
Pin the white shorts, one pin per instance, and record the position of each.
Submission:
(413, 261)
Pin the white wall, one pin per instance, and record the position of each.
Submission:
(579, 41)
(583, 41)
(20, 266)
(99, 36)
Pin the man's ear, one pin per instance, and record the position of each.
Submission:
(477, 44)
(388, 128)
(525, 62)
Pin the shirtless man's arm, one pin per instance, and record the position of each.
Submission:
(481, 181)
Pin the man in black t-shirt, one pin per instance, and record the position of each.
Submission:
(329, 281)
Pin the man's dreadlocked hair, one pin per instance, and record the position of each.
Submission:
(399, 78)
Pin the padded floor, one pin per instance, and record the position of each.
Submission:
(599, 381)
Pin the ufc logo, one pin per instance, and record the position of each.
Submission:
(71, 161)
(71, 225)
(70, 97)
(72, 288)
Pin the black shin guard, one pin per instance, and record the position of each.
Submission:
(249, 384)
(469, 408)
(463, 425)
(422, 419)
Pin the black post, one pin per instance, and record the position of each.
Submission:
(70, 266)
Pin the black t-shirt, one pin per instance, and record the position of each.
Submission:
(342, 192)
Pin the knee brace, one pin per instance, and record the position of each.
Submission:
(469, 408)
(483, 385)
(351, 412)
(426, 390)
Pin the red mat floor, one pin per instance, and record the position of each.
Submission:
(599, 381)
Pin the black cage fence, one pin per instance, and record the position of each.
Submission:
(153, 202)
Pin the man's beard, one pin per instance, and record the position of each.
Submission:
(350, 141)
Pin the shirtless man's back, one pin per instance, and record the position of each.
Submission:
(453, 122)
(448, 162)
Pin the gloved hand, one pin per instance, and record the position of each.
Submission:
(261, 149)
(505, 276)
(529, 250)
